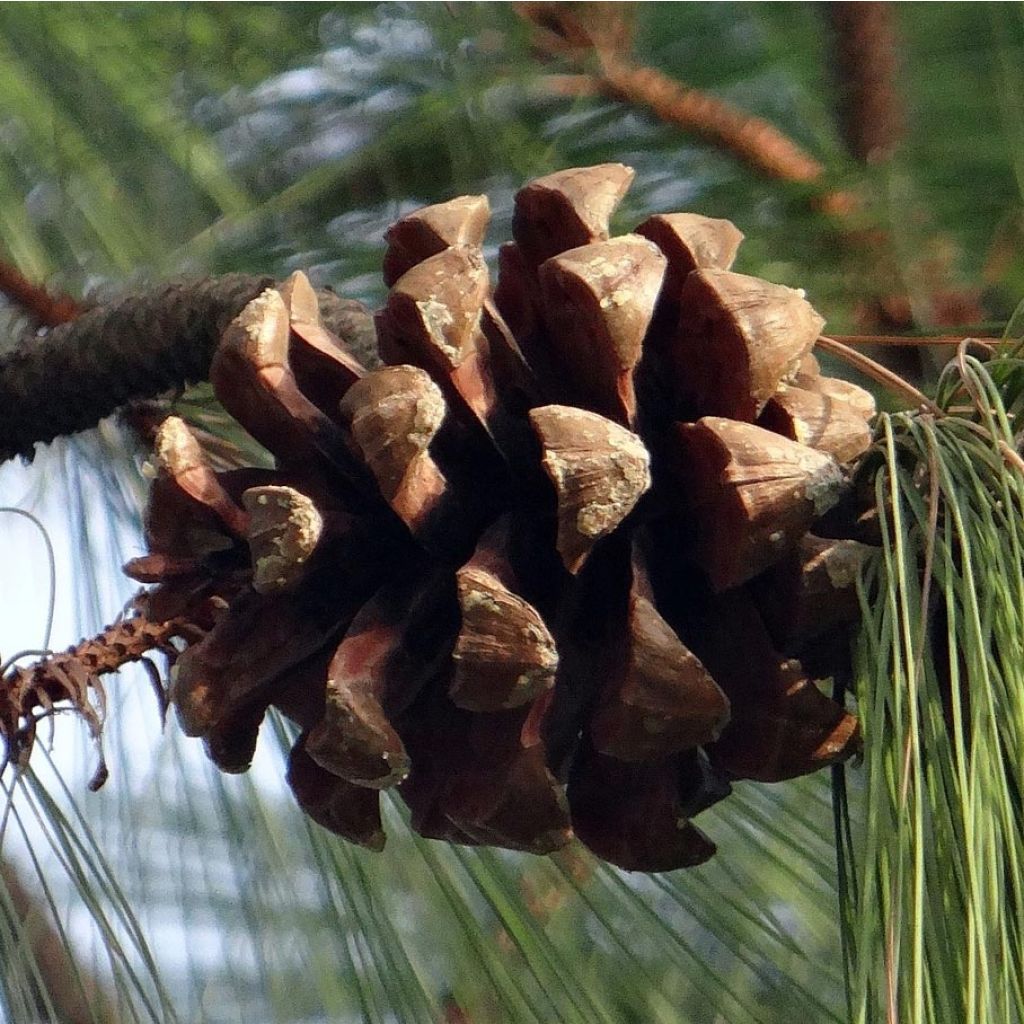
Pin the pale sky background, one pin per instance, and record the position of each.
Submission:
(80, 487)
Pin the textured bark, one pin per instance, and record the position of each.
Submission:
(136, 347)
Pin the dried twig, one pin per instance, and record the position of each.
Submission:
(909, 341)
(880, 373)
(44, 308)
(70, 681)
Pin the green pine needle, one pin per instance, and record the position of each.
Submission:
(933, 909)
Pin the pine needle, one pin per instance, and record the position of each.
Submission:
(934, 888)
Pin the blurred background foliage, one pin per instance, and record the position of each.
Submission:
(143, 141)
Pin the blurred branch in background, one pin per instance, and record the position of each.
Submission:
(601, 33)
(60, 988)
(872, 116)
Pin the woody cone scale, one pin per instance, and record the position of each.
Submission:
(550, 569)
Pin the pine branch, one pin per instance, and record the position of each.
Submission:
(137, 347)
(134, 348)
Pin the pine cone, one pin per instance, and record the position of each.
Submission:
(548, 570)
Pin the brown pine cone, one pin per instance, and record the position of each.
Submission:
(548, 570)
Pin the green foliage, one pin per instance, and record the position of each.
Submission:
(936, 904)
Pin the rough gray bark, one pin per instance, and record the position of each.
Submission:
(137, 347)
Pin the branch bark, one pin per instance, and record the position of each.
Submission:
(137, 347)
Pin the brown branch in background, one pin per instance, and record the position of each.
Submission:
(864, 64)
(561, 31)
(453, 1013)
(571, 86)
(45, 309)
(576, 28)
(71, 995)
(751, 139)
(137, 347)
